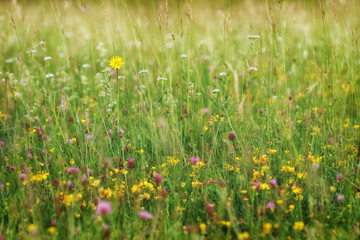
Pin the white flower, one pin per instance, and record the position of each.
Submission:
(86, 65)
(161, 78)
(222, 74)
(143, 71)
(216, 90)
(253, 36)
(253, 69)
(49, 75)
(274, 97)
(183, 56)
(47, 58)
(9, 60)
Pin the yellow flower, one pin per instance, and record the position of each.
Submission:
(52, 230)
(32, 228)
(267, 227)
(116, 62)
(243, 236)
(202, 227)
(298, 226)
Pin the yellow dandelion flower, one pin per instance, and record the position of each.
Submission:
(116, 62)
(298, 226)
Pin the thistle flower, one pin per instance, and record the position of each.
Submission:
(144, 215)
(116, 62)
(110, 132)
(2, 144)
(103, 208)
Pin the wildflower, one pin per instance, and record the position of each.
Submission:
(73, 170)
(2, 144)
(158, 178)
(121, 132)
(22, 177)
(131, 164)
(89, 137)
(339, 177)
(298, 226)
(103, 208)
(341, 198)
(257, 185)
(216, 90)
(47, 58)
(183, 56)
(89, 171)
(270, 206)
(143, 71)
(209, 209)
(161, 78)
(267, 227)
(206, 110)
(253, 36)
(194, 160)
(273, 182)
(144, 215)
(69, 183)
(110, 132)
(12, 168)
(29, 155)
(202, 227)
(164, 192)
(261, 110)
(331, 140)
(32, 228)
(116, 62)
(232, 135)
(222, 74)
(52, 230)
(253, 69)
(243, 236)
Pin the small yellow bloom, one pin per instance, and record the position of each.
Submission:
(267, 228)
(243, 236)
(202, 227)
(116, 62)
(52, 230)
(298, 226)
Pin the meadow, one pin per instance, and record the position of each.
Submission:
(180, 119)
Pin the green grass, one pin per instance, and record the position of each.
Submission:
(295, 119)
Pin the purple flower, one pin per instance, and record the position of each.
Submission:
(194, 160)
(210, 209)
(2, 187)
(69, 141)
(89, 137)
(29, 155)
(331, 140)
(144, 215)
(121, 132)
(89, 171)
(158, 178)
(232, 135)
(339, 177)
(103, 208)
(73, 170)
(22, 177)
(315, 166)
(110, 132)
(12, 168)
(36, 118)
(341, 198)
(270, 206)
(131, 163)
(2, 144)
(261, 110)
(206, 110)
(69, 183)
(83, 179)
(257, 185)
(273, 182)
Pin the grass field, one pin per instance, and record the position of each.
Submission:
(227, 120)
